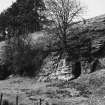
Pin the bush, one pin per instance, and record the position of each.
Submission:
(6, 102)
(4, 72)
(24, 59)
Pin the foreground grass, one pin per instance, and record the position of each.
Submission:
(86, 90)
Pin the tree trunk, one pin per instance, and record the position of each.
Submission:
(94, 65)
(76, 69)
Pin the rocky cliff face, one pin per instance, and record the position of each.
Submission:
(54, 69)
(93, 28)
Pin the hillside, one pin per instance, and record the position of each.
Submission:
(95, 29)
(88, 89)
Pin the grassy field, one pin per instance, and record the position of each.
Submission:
(86, 90)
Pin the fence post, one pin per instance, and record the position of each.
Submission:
(17, 97)
(1, 97)
(40, 101)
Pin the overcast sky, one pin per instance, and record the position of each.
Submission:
(5, 4)
(93, 7)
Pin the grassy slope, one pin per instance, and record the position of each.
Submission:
(82, 91)
(23, 87)
(27, 89)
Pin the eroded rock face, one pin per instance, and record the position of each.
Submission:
(93, 28)
(54, 69)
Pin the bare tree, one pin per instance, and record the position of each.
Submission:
(63, 13)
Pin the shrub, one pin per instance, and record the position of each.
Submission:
(4, 72)
(6, 102)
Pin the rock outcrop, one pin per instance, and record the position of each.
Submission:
(93, 28)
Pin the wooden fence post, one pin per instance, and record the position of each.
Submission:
(17, 97)
(40, 101)
(1, 97)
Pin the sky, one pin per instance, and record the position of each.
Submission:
(92, 7)
(4, 4)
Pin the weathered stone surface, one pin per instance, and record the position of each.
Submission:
(55, 69)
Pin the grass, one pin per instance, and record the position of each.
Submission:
(82, 91)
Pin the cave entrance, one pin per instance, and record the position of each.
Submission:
(76, 69)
